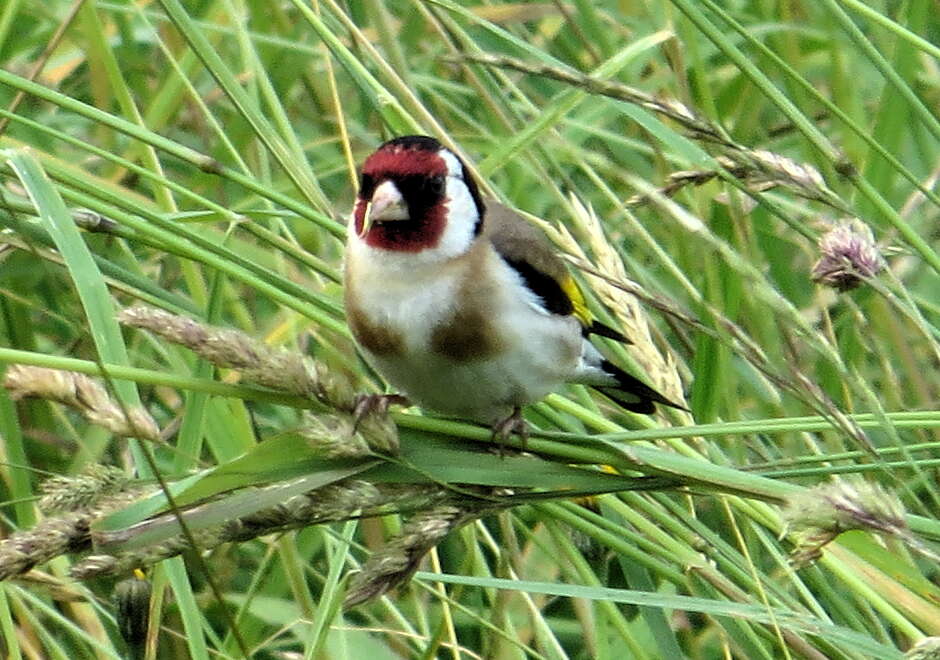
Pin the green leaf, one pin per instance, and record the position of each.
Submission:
(217, 511)
(430, 457)
(235, 488)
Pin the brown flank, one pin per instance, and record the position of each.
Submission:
(378, 339)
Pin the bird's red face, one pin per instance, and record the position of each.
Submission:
(412, 190)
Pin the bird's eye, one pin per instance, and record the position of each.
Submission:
(366, 186)
(435, 185)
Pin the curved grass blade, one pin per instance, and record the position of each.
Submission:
(796, 621)
(89, 283)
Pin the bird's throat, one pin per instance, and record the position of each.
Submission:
(414, 235)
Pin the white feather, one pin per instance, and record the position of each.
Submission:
(541, 351)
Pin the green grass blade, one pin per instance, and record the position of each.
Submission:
(96, 300)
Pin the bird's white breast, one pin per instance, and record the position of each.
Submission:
(536, 351)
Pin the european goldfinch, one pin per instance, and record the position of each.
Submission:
(461, 303)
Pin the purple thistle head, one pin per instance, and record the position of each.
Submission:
(848, 256)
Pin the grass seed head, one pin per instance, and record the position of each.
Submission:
(848, 256)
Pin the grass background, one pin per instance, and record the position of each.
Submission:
(221, 139)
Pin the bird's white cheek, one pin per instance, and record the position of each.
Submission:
(462, 217)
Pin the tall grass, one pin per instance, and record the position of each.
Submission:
(687, 157)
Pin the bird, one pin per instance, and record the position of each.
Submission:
(460, 303)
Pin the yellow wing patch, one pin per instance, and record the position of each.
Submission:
(581, 312)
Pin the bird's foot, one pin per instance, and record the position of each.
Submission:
(371, 422)
(367, 404)
(515, 423)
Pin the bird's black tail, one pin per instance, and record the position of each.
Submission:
(631, 393)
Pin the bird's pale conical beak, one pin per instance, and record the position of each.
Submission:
(386, 205)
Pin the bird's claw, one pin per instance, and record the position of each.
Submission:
(515, 423)
(367, 404)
